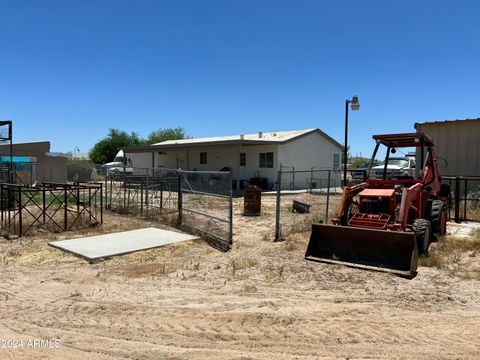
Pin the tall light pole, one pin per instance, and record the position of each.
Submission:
(355, 105)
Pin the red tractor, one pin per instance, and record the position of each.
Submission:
(385, 222)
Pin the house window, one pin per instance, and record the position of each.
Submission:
(336, 161)
(203, 158)
(243, 159)
(266, 160)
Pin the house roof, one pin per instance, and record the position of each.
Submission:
(444, 121)
(40, 142)
(260, 138)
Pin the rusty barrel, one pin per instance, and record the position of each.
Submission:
(252, 201)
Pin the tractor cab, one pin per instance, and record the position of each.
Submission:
(402, 169)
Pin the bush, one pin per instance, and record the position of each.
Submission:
(80, 170)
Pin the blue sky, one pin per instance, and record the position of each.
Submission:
(69, 70)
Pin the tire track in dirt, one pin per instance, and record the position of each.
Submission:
(236, 326)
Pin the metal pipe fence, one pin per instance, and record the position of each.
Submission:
(463, 197)
(143, 191)
(51, 206)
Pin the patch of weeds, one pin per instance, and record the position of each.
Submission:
(267, 236)
(240, 264)
(275, 273)
(455, 255)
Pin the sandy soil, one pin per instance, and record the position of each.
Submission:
(261, 300)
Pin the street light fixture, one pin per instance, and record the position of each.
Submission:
(355, 105)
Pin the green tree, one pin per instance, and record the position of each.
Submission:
(358, 162)
(160, 135)
(105, 150)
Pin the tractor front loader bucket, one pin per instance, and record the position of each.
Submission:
(381, 250)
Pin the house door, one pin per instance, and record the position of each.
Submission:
(181, 161)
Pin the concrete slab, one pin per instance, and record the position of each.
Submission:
(104, 246)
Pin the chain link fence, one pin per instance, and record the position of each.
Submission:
(309, 196)
(305, 197)
(206, 203)
(198, 200)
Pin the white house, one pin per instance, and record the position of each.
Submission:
(259, 155)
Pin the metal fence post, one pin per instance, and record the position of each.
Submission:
(457, 199)
(141, 197)
(277, 211)
(78, 198)
(106, 188)
(311, 179)
(20, 213)
(44, 205)
(450, 199)
(180, 198)
(230, 210)
(101, 204)
(65, 218)
(124, 192)
(146, 193)
(328, 197)
(161, 183)
(111, 192)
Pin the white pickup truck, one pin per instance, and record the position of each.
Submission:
(396, 167)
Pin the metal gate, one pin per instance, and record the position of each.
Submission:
(205, 204)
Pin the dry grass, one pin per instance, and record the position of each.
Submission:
(296, 241)
(237, 264)
(267, 236)
(456, 255)
(39, 254)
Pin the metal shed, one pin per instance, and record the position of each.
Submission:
(458, 142)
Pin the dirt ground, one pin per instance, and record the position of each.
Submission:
(261, 300)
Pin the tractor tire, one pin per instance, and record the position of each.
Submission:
(438, 219)
(423, 234)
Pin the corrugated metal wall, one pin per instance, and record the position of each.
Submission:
(458, 142)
